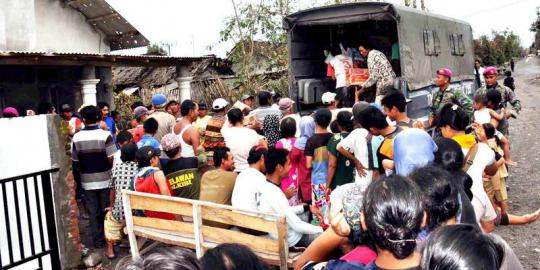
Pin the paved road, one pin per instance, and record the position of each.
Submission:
(524, 188)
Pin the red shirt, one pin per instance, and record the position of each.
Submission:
(137, 133)
(148, 185)
(298, 160)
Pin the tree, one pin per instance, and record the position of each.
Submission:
(155, 49)
(497, 49)
(535, 27)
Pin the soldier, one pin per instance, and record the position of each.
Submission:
(448, 94)
(490, 76)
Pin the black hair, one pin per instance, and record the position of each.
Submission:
(256, 153)
(275, 157)
(366, 44)
(508, 73)
(393, 213)
(172, 102)
(264, 98)
(187, 106)
(461, 247)
(128, 151)
(167, 257)
(287, 127)
(372, 117)
(114, 114)
(136, 104)
(22, 111)
(220, 154)
(90, 114)
(235, 116)
(454, 116)
(481, 98)
(323, 117)
(45, 108)
(171, 153)
(494, 97)
(334, 127)
(394, 99)
(449, 156)
(103, 104)
(124, 136)
(344, 120)
(276, 97)
(489, 129)
(440, 194)
(231, 257)
(150, 126)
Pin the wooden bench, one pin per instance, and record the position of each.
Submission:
(200, 237)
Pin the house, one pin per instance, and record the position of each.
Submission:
(59, 51)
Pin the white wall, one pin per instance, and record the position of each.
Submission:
(48, 26)
(25, 145)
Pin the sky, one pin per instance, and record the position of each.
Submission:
(192, 26)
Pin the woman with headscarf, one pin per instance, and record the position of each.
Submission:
(413, 148)
(298, 158)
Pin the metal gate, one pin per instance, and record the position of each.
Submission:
(28, 233)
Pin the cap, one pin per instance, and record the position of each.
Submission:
(169, 142)
(145, 153)
(244, 97)
(202, 106)
(219, 104)
(66, 108)
(445, 72)
(490, 71)
(159, 100)
(285, 104)
(328, 97)
(140, 111)
(11, 110)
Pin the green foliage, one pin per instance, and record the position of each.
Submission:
(155, 49)
(498, 48)
(535, 27)
(123, 106)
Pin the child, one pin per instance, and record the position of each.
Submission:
(289, 185)
(123, 173)
(483, 114)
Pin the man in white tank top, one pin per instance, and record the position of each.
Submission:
(187, 133)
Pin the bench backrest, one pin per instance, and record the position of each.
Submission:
(203, 236)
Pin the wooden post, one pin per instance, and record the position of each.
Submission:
(129, 225)
(197, 223)
(283, 243)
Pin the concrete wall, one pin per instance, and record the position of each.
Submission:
(48, 25)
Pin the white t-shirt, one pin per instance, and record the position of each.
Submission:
(356, 143)
(482, 206)
(341, 63)
(246, 189)
(272, 200)
(482, 116)
(240, 140)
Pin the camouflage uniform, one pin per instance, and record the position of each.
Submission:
(453, 95)
(506, 93)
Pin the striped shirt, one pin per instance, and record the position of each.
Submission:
(92, 148)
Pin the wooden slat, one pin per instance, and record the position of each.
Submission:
(199, 237)
(163, 224)
(238, 219)
(129, 225)
(160, 205)
(256, 243)
(282, 242)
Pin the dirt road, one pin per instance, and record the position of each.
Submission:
(524, 182)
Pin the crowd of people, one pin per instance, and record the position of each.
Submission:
(361, 188)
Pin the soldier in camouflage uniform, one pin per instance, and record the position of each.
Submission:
(448, 94)
(508, 96)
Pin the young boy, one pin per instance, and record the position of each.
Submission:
(483, 114)
(123, 173)
(316, 152)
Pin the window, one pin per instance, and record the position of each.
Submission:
(457, 45)
(432, 44)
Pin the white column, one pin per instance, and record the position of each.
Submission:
(88, 89)
(183, 77)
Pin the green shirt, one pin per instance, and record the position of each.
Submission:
(453, 95)
(344, 173)
(507, 95)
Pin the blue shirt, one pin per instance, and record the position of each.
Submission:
(148, 140)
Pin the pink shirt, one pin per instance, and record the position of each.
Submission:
(292, 179)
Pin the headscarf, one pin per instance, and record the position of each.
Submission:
(413, 148)
(271, 129)
(307, 129)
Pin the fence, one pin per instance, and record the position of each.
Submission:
(28, 236)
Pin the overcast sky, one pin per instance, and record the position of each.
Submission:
(193, 25)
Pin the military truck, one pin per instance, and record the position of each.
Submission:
(427, 42)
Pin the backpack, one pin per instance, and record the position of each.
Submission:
(371, 162)
(469, 158)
